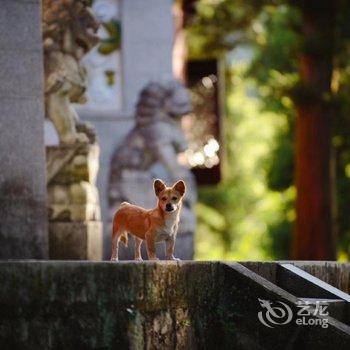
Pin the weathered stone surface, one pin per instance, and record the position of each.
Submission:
(87, 305)
(264, 269)
(21, 11)
(306, 281)
(332, 272)
(75, 228)
(168, 305)
(77, 202)
(76, 240)
(67, 164)
(240, 305)
(72, 172)
(23, 229)
(19, 66)
(335, 273)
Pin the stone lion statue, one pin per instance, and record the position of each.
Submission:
(150, 150)
(68, 32)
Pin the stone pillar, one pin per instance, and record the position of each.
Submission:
(147, 44)
(75, 227)
(23, 222)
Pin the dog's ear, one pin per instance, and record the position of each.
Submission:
(180, 187)
(158, 186)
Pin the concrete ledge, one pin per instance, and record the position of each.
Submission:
(147, 305)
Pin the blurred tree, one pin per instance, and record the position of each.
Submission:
(274, 68)
(219, 26)
(313, 238)
(322, 52)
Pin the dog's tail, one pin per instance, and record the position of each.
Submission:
(118, 231)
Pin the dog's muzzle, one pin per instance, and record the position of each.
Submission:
(169, 207)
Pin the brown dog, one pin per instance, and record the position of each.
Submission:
(154, 225)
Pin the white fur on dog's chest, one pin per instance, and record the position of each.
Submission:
(168, 231)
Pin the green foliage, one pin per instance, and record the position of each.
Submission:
(257, 225)
(275, 42)
(341, 144)
(233, 217)
(274, 67)
(272, 29)
(280, 165)
(220, 25)
(274, 62)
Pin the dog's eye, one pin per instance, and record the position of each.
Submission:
(163, 198)
(174, 198)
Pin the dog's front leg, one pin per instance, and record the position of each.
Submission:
(151, 249)
(170, 246)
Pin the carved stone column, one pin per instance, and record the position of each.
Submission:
(75, 227)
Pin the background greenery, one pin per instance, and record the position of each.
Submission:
(250, 214)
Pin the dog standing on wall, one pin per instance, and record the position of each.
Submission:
(154, 225)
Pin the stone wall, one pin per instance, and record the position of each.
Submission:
(84, 305)
(151, 305)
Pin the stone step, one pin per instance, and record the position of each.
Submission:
(305, 286)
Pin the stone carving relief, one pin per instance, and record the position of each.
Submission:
(68, 33)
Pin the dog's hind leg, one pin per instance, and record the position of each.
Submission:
(115, 247)
(137, 249)
(116, 236)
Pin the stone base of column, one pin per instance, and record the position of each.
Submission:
(76, 240)
(75, 226)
